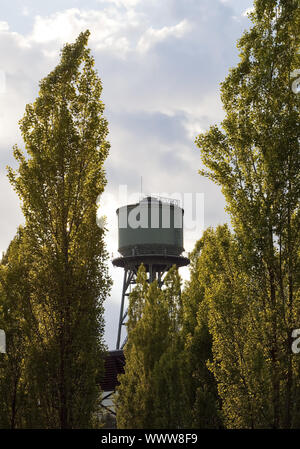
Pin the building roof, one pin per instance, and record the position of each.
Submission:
(113, 366)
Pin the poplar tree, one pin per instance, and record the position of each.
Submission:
(150, 394)
(231, 310)
(254, 157)
(14, 288)
(200, 387)
(58, 182)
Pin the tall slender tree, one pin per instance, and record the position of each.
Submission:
(150, 394)
(200, 386)
(14, 288)
(254, 157)
(58, 183)
(231, 311)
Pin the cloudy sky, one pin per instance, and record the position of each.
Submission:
(161, 62)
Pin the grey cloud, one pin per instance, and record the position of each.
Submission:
(156, 102)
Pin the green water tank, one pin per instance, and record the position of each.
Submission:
(152, 226)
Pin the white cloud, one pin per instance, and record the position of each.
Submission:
(4, 26)
(247, 11)
(193, 126)
(153, 36)
(158, 97)
(109, 28)
(25, 11)
(11, 216)
(128, 4)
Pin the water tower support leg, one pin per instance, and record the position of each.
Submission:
(151, 273)
(128, 275)
(159, 279)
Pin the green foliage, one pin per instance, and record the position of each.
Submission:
(150, 391)
(62, 247)
(200, 387)
(219, 354)
(13, 383)
(255, 158)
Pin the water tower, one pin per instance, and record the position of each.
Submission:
(150, 233)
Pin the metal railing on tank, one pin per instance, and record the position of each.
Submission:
(162, 199)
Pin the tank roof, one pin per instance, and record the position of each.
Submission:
(154, 199)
